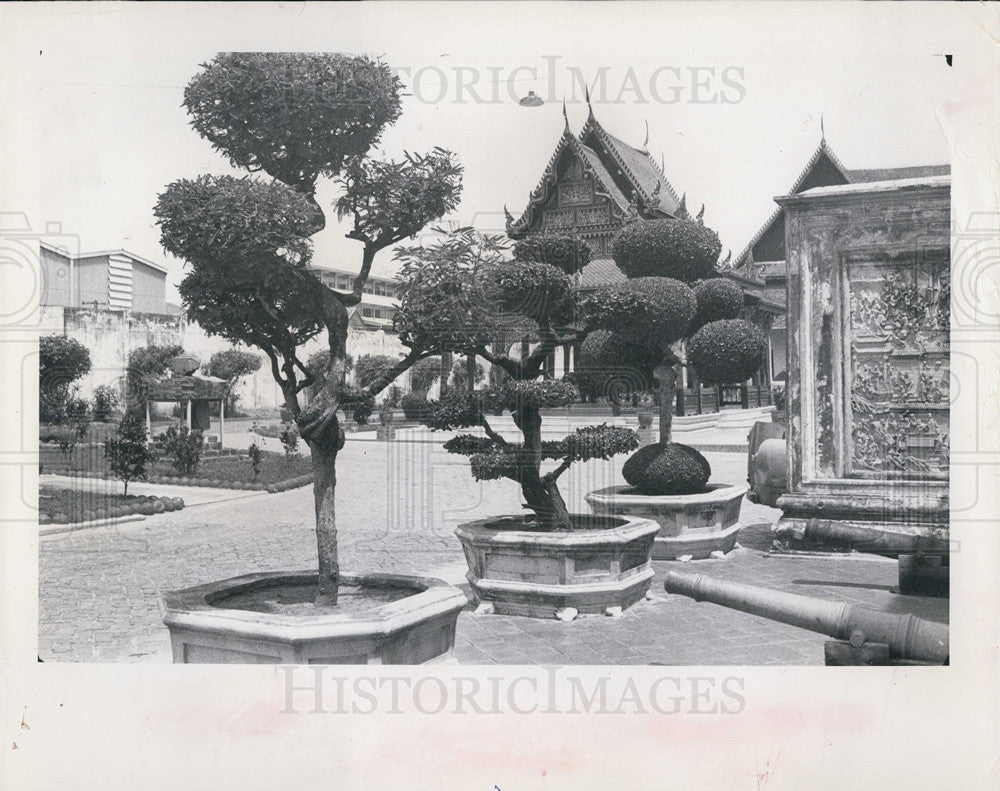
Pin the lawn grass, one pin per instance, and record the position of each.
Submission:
(220, 470)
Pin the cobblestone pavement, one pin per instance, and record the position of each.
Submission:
(398, 505)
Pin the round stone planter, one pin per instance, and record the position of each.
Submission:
(409, 621)
(689, 524)
(516, 571)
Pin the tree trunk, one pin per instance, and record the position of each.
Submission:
(320, 427)
(445, 372)
(470, 370)
(324, 462)
(666, 375)
(541, 494)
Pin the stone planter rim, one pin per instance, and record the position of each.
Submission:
(481, 531)
(191, 608)
(622, 495)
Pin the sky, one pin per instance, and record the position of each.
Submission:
(733, 102)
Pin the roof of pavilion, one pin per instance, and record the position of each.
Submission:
(188, 388)
(646, 188)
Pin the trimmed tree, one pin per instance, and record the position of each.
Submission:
(232, 365)
(127, 453)
(61, 361)
(145, 365)
(297, 118)
(459, 295)
(674, 297)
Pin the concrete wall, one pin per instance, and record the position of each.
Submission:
(109, 335)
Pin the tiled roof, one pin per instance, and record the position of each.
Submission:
(891, 174)
(646, 172)
(604, 177)
(599, 272)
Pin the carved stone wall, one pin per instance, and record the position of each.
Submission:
(868, 390)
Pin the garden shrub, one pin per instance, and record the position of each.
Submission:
(184, 446)
(727, 351)
(682, 249)
(564, 252)
(667, 469)
(415, 406)
(127, 454)
(648, 310)
(289, 437)
(105, 403)
(717, 299)
(530, 288)
(255, 455)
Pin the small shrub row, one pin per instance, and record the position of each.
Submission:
(143, 506)
(291, 483)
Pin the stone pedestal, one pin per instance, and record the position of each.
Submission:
(868, 393)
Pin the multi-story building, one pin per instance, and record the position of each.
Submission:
(107, 279)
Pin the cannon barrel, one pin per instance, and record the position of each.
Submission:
(908, 637)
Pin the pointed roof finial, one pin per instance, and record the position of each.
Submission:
(510, 219)
(590, 107)
(565, 116)
(701, 218)
(682, 207)
(822, 130)
(645, 143)
(663, 167)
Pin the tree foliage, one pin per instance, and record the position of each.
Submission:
(145, 365)
(61, 361)
(683, 249)
(127, 453)
(730, 350)
(567, 253)
(371, 366)
(294, 116)
(717, 298)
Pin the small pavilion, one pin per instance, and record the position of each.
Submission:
(195, 393)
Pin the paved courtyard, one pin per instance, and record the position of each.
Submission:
(398, 505)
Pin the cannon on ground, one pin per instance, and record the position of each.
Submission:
(861, 635)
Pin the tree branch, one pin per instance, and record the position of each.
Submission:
(386, 378)
(492, 434)
(554, 474)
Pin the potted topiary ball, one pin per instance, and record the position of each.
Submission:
(460, 295)
(675, 299)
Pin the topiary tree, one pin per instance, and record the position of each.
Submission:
(232, 365)
(460, 294)
(295, 118)
(674, 294)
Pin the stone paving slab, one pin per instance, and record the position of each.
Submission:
(398, 506)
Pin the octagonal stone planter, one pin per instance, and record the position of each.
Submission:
(518, 571)
(410, 620)
(689, 524)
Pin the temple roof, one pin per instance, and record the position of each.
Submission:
(824, 168)
(640, 180)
